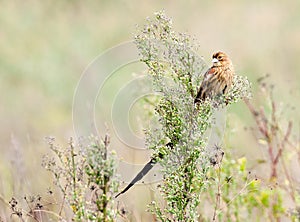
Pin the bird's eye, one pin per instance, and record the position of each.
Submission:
(219, 57)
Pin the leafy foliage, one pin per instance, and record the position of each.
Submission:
(176, 71)
(86, 177)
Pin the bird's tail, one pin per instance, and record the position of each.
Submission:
(140, 175)
(200, 96)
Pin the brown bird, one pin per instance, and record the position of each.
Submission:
(217, 79)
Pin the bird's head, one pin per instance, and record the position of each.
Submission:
(221, 59)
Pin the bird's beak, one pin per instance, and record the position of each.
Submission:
(215, 60)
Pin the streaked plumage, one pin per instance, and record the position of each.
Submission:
(218, 79)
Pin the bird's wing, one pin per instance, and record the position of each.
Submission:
(201, 95)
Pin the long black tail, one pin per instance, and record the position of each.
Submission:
(145, 170)
(140, 175)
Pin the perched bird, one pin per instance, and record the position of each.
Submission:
(217, 79)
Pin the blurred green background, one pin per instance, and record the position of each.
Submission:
(46, 45)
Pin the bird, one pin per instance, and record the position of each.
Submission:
(217, 80)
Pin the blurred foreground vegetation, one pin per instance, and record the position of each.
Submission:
(45, 46)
